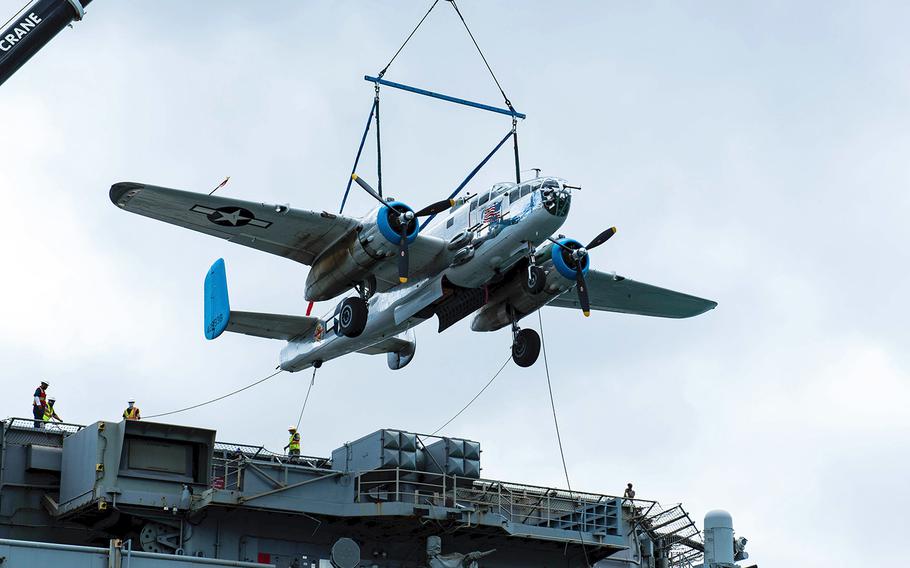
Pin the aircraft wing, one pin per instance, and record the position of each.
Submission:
(428, 254)
(611, 293)
(292, 233)
(272, 326)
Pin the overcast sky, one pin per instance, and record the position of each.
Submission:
(754, 153)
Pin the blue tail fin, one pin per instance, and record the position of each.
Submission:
(217, 306)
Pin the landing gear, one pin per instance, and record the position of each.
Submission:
(537, 276)
(525, 343)
(536, 280)
(351, 317)
(525, 347)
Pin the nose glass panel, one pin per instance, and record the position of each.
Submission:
(556, 200)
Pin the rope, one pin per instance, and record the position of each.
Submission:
(490, 69)
(476, 396)
(312, 382)
(251, 385)
(386, 68)
(562, 454)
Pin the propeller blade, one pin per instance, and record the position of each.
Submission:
(366, 187)
(559, 244)
(435, 208)
(601, 238)
(403, 257)
(582, 288)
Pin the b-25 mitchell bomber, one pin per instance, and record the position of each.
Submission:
(491, 254)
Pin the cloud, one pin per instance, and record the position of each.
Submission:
(753, 156)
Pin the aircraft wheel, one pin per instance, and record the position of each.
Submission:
(535, 280)
(352, 317)
(526, 348)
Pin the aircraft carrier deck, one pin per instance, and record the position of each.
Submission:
(148, 494)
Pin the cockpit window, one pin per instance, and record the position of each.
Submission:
(473, 204)
(551, 183)
(525, 189)
(483, 199)
(514, 195)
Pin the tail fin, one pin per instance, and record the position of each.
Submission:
(218, 316)
(217, 306)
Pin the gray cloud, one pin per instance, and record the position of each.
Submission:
(754, 154)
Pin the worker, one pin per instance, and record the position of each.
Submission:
(38, 404)
(629, 493)
(132, 411)
(293, 446)
(49, 412)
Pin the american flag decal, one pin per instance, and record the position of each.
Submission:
(491, 213)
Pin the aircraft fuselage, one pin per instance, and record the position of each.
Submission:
(488, 234)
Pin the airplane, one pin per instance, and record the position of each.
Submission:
(492, 254)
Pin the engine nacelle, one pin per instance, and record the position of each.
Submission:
(350, 261)
(513, 295)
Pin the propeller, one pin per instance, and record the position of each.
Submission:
(400, 219)
(576, 260)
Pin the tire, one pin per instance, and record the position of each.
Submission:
(351, 317)
(526, 348)
(535, 280)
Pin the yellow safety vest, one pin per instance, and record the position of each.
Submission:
(48, 412)
(131, 413)
(294, 443)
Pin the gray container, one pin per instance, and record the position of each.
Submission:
(383, 449)
(453, 456)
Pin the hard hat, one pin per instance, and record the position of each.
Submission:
(131, 401)
(45, 383)
(52, 399)
(292, 427)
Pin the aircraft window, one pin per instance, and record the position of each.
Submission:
(450, 222)
(514, 195)
(473, 204)
(551, 183)
(525, 189)
(483, 199)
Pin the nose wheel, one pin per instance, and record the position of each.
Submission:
(535, 280)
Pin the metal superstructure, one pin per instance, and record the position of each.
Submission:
(161, 493)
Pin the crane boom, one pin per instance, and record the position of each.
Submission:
(32, 28)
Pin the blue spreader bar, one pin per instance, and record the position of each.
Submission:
(435, 95)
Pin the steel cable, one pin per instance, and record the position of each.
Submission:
(562, 454)
(16, 15)
(251, 385)
(386, 68)
(476, 396)
(306, 398)
(490, 69)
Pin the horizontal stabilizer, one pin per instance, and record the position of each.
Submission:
(272, 326)
(220, 318)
